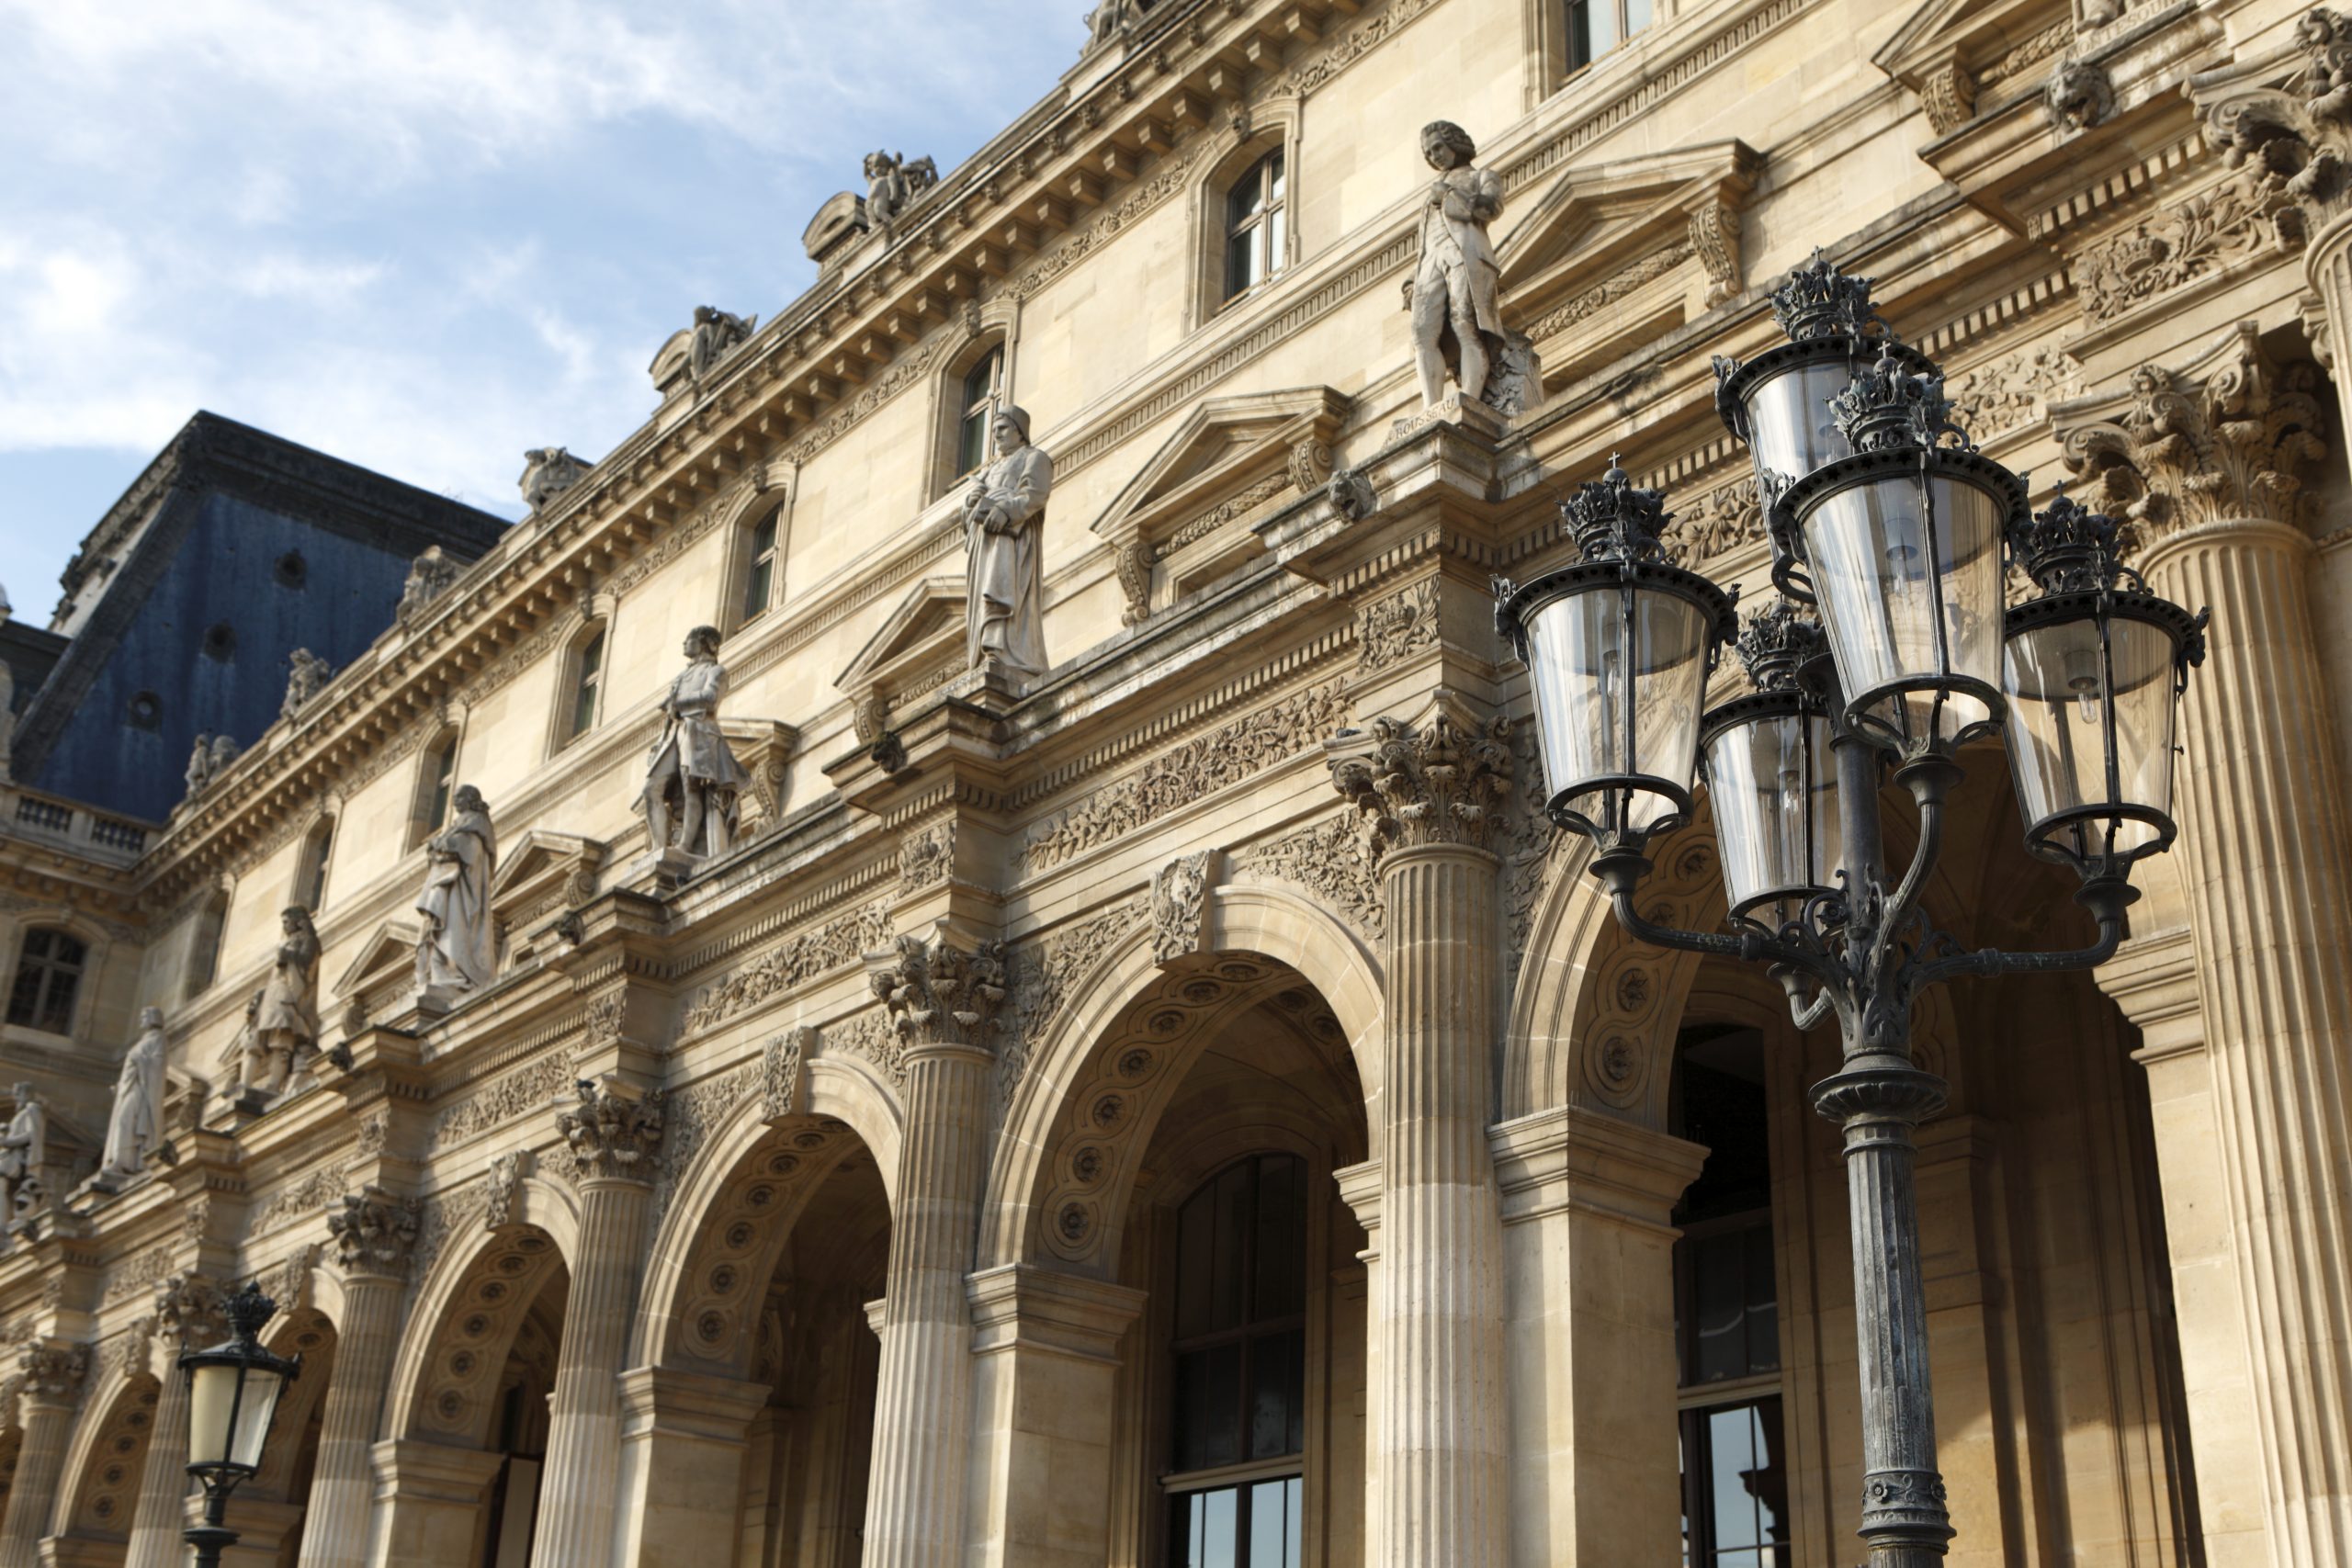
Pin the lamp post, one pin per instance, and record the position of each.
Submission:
(232, 1393)
(1886, 522)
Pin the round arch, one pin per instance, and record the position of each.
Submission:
(100, 1484)
(1242, 920)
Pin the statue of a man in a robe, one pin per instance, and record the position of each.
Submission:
(692, 778)
(24, 1149)
(136, 1123)
(457, 948)
(1455, 304)
(287, 1023)
(1004, 574)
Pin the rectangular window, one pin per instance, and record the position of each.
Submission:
(590, 672)
(1255, 1525)
(762, 578)
(1736, 1487)
(444, 768)
(1596, 27)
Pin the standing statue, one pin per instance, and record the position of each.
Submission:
(244, 1062)
(715, 333)
(430, 575)
(24, 1149)
(692, 778)
(287, 1023)
(136, 1123)
(224, 752)
(307, 675)
(1457, 318)
(891, 185)
(458, 948)
(1004, 574)
(549, 471)
(199, 766)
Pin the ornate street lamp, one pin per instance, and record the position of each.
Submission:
(1895, 529)
(232, 1393)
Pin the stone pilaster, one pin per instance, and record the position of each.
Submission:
(943, 1001)
(1433, 793)
(374, 1235)
(50, 1373)
(616, 1141)
(1589, 1287)
(188, 1317)
(2204, 462)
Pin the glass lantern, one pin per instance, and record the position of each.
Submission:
(233, 1390)
(1904, 542)
(2094, 669)
(1618, 648)
(1772, 779)
(1778, 402)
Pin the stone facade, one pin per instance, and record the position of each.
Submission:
(896, 1183)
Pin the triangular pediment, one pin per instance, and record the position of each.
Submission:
(1601, 214)
(391, 950)
(1972, 35)
(930, 617)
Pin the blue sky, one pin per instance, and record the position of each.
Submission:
(424, 236)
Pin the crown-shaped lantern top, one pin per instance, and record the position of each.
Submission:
(1818, 301)
(2067, 548)
(1889, 405)
(1776, 642)
(248, 1311)
(1611, 520)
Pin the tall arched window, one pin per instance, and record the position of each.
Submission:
(311, 878)
(1726, 1311)
(48, 978)
(1256, 219)
(587, 684)
(759, 566)
(1238, 1412)
(976, 411)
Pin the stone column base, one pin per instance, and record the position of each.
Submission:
(682, 1465)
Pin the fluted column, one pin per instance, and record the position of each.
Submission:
(51, 1373)
(943, 1001)
(2205, 461)
(373, 1238)
(188, 1317)
(1432, 793)
(616, 1144)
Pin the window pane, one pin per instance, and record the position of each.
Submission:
(1242, 201)
(1234, 1200)
(1209, 1407)
(1273, 1524)
(1241, 263)
(1220, 1536)
(583, 701)
(1638, 15)
(445, 762)
(1274, 240)
(755, 592)
(1195, 1263)
(1580, 49)
(1763, 1303)
(979, 382)
(971, 442)
(1719, 1278)
(1277, 1395)
(1274, 166)
(1282, 1247)
(57, 1002)
(24, 996)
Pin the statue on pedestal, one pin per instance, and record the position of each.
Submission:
(245, 1064)
(457, 948)
(1004, 577)
(136, 1123)
(306, 676)
(715, 336)
(692, 778)
(285, 1026)
(24, 1149)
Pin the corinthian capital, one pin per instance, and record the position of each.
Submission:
(937, 993)
(2217, 442)
(614, 1134)
(375, 1233)
(52, 1369)
(187, 1310)
(1441, 782)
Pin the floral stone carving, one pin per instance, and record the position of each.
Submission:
(1442, 782)
(374, 1231)
(612, 1134)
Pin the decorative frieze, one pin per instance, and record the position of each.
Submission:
(1045, 968)
(1180, 906)
(1718, 522)
(2197, 237)
(1329, 859)
(782, 1063)
(1391, 629)
(301, 1200)
(140, 1274)
(1603, 295)
(374, 1232)
(792, 962)
(1169, 177)
(927, 858)
(2006, 394)
(531, 1087)
(1441, 783)
(903, 373)
(1187, 772)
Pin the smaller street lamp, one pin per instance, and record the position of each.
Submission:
(233, 1390)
